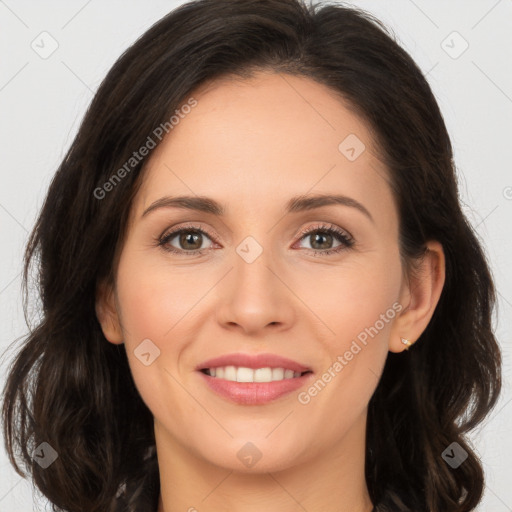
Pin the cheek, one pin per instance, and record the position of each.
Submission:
(357, 305)
(156, 305)
(156, 300)
(352, 298)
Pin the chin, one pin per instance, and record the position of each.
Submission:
(255, 456)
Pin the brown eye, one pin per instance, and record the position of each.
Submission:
(320, 241)
(322, 238)
(188, 241)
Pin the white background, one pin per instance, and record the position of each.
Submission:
(43, 100)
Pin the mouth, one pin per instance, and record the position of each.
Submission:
(253, 379)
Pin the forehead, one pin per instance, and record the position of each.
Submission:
(270, 136)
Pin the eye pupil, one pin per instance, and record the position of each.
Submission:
(318, 235)
(184, 239)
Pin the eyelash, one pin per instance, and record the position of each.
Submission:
(346, 240)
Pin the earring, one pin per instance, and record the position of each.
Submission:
(407, 343)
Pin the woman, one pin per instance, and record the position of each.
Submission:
(247, 371)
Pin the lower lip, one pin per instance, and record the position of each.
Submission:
(255, 393)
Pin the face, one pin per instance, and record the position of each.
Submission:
(320, 285)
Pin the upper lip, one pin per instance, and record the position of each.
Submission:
(253, 361)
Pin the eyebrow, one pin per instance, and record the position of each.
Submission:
(294, 205)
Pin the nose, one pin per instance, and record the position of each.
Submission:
(254, 297)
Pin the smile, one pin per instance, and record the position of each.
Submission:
(244, 374)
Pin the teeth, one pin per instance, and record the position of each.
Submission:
(277, 373)
(250, 375)
(230, 373)
(289, 374)
(243, 374)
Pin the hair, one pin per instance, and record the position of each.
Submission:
(69, 387)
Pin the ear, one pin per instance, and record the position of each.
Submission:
(106, 312)
(419, 298)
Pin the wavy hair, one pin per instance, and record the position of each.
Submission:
(69, 387)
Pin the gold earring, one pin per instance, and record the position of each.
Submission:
(407, 343)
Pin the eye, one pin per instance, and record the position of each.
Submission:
(189, 239)
(324, 235)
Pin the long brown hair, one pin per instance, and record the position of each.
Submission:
(69, 387)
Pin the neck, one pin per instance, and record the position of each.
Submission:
(331, 481)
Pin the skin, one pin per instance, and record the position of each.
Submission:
(251, 145)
